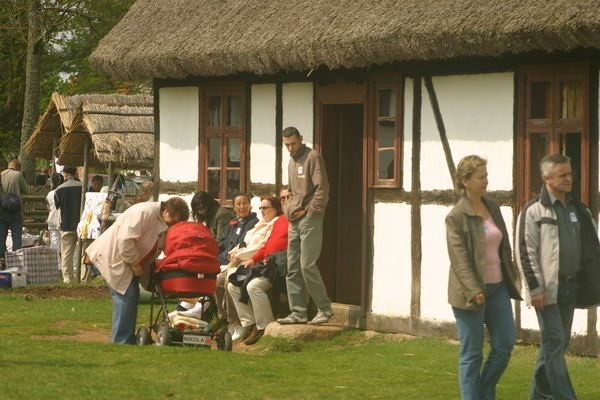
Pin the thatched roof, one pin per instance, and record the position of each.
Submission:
(123, 135)
(60, 113)
(180, 38)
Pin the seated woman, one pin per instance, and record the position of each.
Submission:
(258, 311)
(235, 233)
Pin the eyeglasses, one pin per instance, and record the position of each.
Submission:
(264, 208)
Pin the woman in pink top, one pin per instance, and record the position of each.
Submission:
(482, 280)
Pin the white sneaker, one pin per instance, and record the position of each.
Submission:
(321, 317)
(241, 333)
(194, 312)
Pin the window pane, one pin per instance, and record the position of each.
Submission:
(387, 103)
(214, 183)
(386, 131)
(214, 111)
(233, 152)
(386, 164)
(233, 183)
(540, 100)
(571, 99)
(214, 152)
(539, 147)
(570, 145)
(235, 110)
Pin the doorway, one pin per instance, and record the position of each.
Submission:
(341, 142)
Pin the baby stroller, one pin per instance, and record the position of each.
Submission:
(189, 270)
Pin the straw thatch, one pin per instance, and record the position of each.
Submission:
(61, 112)
(180, 38)
(123, 135)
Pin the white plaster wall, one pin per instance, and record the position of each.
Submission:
(391, 261)
(478, 115)
(298, 109)
(179, 122)
(262, 146)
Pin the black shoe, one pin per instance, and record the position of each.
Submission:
(255, 337)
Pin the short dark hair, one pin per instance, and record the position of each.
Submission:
(177, 207)
(70, 170)
(275, 203)
(290, 131)
(202, 200)
(242, 195)
(97, 178)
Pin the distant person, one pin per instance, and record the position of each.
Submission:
(558, 252)
(284, 195)
(67, 199)
(305, 210)
(125, 250)
(53, 213)
(42, 177)
(11, 210)
(96, 186)
(481, 282)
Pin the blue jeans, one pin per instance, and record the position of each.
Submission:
(124, 315)
(551, 377)
(15, 224)
(477, 383)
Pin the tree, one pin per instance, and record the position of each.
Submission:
(45, 45)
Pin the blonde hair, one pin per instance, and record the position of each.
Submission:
(467, 167)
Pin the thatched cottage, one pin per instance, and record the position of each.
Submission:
(393, 93)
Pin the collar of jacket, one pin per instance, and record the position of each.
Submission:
(464, 205)
(300, 152)
(546, 201)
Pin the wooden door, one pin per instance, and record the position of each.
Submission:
(341, 145)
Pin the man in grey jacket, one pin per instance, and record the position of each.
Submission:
(13, 182)
(305, 209)
(556, 247)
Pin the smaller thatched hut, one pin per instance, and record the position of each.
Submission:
(122, 135)
(115, 114)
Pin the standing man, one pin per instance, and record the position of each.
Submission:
(11, 218)
(558, 253)
(305, 210)
(125, 249)
(67, 199)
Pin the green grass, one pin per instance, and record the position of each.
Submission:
(350, 366)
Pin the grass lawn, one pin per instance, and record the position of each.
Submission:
(38, 361)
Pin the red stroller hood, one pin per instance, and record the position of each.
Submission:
(190, 246)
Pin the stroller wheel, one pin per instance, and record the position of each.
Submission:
(163, 336)
(143, 336)
(227, 342)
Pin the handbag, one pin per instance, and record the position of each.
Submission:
(8, 201)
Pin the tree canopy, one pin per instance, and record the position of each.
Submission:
(69, 31)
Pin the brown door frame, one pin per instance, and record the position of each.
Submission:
(349, 93)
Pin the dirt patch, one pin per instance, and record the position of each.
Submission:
(92, 335)
(72, 292)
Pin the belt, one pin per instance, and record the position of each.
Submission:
(568, 278)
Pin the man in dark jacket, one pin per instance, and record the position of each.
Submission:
(13, 182)
(305, 210)
(67, 199)
(558, 252)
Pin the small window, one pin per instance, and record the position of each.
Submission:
(386, 132)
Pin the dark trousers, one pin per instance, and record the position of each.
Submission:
(14, 223)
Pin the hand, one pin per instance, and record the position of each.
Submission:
(137, 269)
(479, 299)
(249, 264)
(234, 259)
(539, 301)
